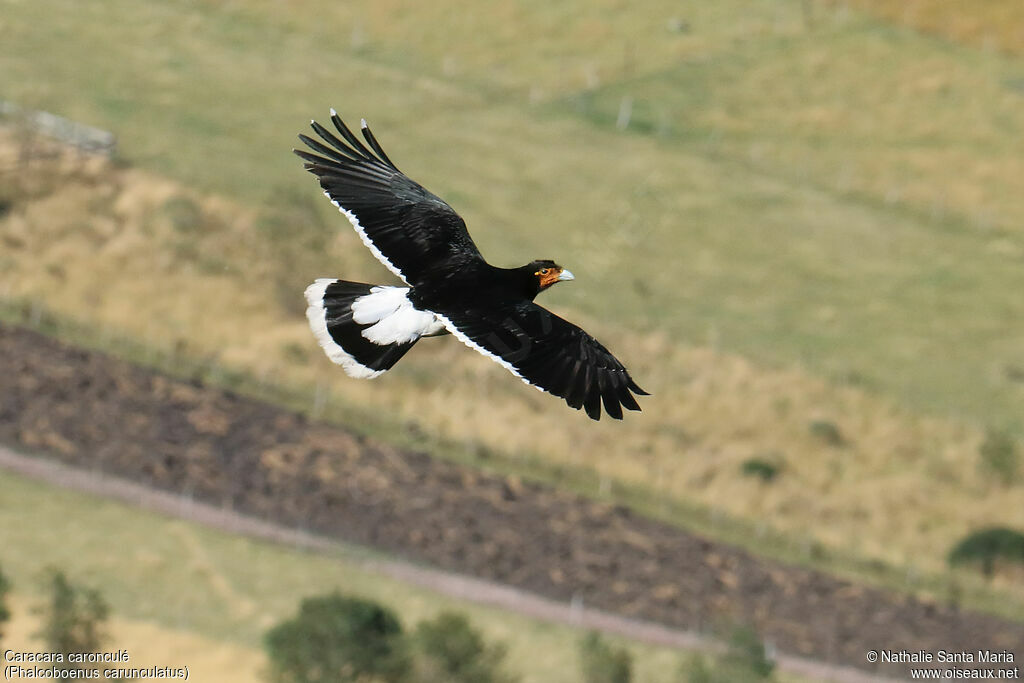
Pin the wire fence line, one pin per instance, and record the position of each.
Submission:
(452, 584)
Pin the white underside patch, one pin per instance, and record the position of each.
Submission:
(317, 316)
(476, 347)
(392, 317)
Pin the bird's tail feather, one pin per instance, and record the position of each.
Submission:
(341, 325)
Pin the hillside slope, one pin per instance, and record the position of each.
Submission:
(214, 286)
(261, 460)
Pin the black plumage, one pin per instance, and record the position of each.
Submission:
(451, 287)
(338, 298)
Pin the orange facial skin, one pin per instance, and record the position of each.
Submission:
(548, 276)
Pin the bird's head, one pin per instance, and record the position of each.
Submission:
(547, 273)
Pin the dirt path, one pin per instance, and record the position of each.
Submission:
(446, 583)
(104, 415)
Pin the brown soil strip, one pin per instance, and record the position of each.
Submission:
(102, 414)
(446, 583)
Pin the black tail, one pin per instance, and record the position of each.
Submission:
(341, 337)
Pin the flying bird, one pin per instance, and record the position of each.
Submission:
(450, 287)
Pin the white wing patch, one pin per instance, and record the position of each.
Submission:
(476, 347)
(378, 304)
(365, 238)
(317, 316)
(391, 316)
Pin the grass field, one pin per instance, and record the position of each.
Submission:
(805, 221)
(989, 25)
(236, 589)
(883, 163)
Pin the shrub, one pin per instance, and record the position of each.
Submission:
(744, 661)
(766, 470)
(827, 432)
(603, 663)
(338, 639)
(698, 669)
(73, 618)
(747, 655)
(451, 651)
(985, 546)
(999, 456)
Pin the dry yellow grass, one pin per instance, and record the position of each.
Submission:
(820, 192)
(149, 645)
(182, 594)
(901, 488)
(993, 24)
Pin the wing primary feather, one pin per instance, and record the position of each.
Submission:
(606, 382)
(314, 161)
(352, 139)
(581, 385)
(370, 138)
(560, 376)
(627, 400)
(330, 174)
(330, 138)
(325, 150)
(592, 403)
(637, 390)
(568, 379)
(360, 172)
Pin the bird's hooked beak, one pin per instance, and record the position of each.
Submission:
(566, 275)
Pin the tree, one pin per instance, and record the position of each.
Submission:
(986, 546)
(604, 663)
(338, 639)
(452, 651)
(5, 613)
(73, 618)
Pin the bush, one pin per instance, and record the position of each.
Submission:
(5, 614)
(744, 661)
(73, 618)
(827, 432)
(338, 639)
(986, 546)
(452, 651)
(764, 469)
(698, 670)
(747, 655)
(603, 663)
(999, 456)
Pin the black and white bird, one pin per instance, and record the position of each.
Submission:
(450, 287)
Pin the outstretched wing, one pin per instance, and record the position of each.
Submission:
(410, 230)
(549, 353)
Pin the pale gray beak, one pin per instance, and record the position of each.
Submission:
(566, 275)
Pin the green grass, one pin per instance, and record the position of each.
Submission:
(842, 197)
(963, 587)
(836, 200)
(236, 587)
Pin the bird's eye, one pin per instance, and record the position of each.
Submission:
(545, 271)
